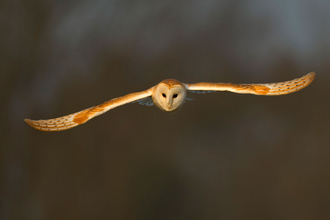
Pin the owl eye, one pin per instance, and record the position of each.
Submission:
(164, 95)
(175, 95)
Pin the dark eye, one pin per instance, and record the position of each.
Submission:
(164, 95)
(175, 95)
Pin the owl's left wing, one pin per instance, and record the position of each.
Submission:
(75, 119)
(280, 88)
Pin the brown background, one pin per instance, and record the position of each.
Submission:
(221, 156)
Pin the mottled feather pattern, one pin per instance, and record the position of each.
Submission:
(75, 119)
(168, 95)
(287, 87)
(280, 88)
(56, 124)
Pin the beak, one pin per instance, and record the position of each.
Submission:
(169, 103)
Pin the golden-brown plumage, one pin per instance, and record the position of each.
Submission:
(169, 95)
(280, 88)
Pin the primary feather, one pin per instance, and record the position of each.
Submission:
(280, 88)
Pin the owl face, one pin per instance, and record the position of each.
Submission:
(169, 95)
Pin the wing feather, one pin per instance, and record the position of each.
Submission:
(75, 119)
(280, 88)
(145, 101)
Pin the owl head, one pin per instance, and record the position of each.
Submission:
(169, 94)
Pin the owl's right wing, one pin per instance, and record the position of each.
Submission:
(75, 119)
(280, 88)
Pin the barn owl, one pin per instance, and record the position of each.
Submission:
(169, 95)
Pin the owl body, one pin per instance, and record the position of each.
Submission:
(169, 95)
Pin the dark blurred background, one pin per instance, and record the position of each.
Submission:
(221, 156)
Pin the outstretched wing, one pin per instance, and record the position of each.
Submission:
(280, 88)
(75, 119)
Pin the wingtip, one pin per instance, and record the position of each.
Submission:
(28, 121)
(311, 75)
